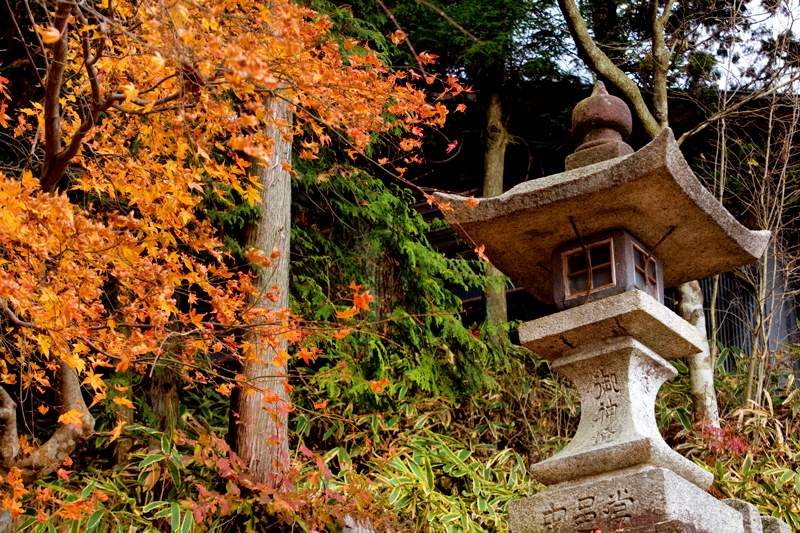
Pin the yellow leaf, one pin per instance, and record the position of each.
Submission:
(73, 417)
(130, 92)
(49, 34)
(44, 345)
(157, 62)
(94, 380)
(252, 196)
(116, 431)
(122, 400)
(28, 180)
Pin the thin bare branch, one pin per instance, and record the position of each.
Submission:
(405, 37)
(599, 62)
(24, 43)
(450, 20)
(734, 109)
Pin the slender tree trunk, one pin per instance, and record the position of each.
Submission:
(701, 371)
(494, 164)
(759, 350)
(260, 432)
(166, 402)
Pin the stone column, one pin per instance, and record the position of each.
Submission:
(617, 473)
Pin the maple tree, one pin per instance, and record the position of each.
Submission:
(107, 263)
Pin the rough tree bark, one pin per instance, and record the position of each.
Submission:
(494, 164)
(691, 298)
(47, 457)
(260, 432)
(164, 397)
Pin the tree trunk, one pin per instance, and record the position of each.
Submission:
(701, 369)
(260, 432)
(494, 164)
(165, 399)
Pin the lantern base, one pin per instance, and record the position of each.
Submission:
(642, 500)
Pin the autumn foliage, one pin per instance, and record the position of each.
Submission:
(108, 265)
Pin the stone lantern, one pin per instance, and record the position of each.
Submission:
(602, 241)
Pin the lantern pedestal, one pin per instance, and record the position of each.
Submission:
(617, 473)
(617, 382)
(608, 349)
(637, 500)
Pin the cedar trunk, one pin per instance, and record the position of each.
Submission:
(260, 430)
(494, 164)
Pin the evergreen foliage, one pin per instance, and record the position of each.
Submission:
(348, 227)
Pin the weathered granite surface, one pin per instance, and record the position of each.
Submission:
(646, 193)
(770, 524)
(644, 500)
(751, 518)
(634, 313)
(617, 381)
(595, 154)
(601, 122)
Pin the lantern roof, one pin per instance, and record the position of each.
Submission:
(652, 193)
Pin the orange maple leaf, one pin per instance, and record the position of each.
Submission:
(397, 37)
(378, 385)
(117, 430)
(94, 380)
(49, 34)
(306, 356)
(123, 365)
(342, 333)
(225, 389)
(73, 417)
(122, 400)
(472, 202)
(281, 358)
(363, 300)
(348, 313)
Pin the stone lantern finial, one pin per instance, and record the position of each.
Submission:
(602, 122)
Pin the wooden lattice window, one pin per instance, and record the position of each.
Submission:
(645, 281)
(576, 271)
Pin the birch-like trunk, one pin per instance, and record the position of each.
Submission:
(260, 430)
(493, 167)
(701, 369)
